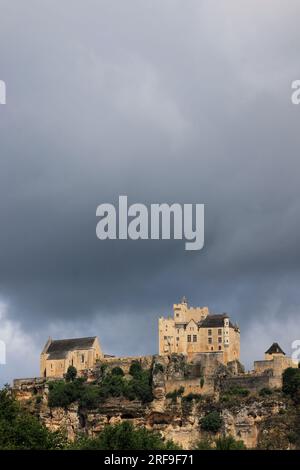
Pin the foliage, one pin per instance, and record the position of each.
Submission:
(265, 391)
(124, 436)
(203, 444)
(20, 430)
(158, 368)
(112, 384)
(117, 371)
(229, 443)
(238, 391)
(71, 374)
(291, 383)
(222, 443)
(212, 422)
(176, 393)
(192, 396)
(135, 369)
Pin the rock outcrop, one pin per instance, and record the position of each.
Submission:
(175, 413)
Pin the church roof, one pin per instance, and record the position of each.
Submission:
(59, 348)
(215, 321)
(275, 349)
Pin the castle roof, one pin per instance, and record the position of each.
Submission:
(275, 349)
(59, 348)
(215, 321)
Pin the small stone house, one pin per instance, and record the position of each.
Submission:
(58, 355)
(275, 363)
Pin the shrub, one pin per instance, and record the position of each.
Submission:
(117, 371)
(158, 368)
(21, 430)
(113, 384)
(124, 436)
(212, 422)
(176, 393)
(229, 443)
(89, 397)
(71, 374)
(291, 383)
(203, 444)
(238, 391)
(135, 369)
(265, 391)
(192, 396)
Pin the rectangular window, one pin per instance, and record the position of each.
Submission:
(209, 332)
(220, 339)
(194, 338)
(82, 358)
(219, 331)
(189, 338)
(177, 339)
(209, 340)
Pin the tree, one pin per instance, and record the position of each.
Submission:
(71, 374)
(135, 369)
(212, 422)
(291, 383)
(229, 443)
(124, 436)
(117, 371)
(20, 430)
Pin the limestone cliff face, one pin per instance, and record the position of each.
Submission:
(178, 418)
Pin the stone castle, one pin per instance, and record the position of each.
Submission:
(195, 334)
(195, 330)
(198, 357)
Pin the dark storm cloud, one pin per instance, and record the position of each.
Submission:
(166, 102)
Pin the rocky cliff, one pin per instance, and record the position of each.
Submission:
(175, 413)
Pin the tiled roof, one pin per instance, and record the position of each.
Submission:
(59, 348)
(215, 321)
(275, 349)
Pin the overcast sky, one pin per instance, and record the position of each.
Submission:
(164, 101)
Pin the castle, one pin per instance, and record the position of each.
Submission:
(195, 330)
(193, 333)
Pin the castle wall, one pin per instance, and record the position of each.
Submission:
(251, 382)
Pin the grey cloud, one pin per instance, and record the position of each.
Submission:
(166, 102)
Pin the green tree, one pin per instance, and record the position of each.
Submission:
(20, 430)
(291, 383)
(212, 422)
(229, 443)
(71, 374)
(124, 436)
(135, 369)
(117, 371)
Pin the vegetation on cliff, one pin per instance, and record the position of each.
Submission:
(222, 443)
(124, 436)
(113, 383)
(20, 430)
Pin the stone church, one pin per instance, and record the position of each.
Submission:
(58, 355)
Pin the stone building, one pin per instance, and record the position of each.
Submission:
(58, 355)
(274, 364)
(194, 330)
